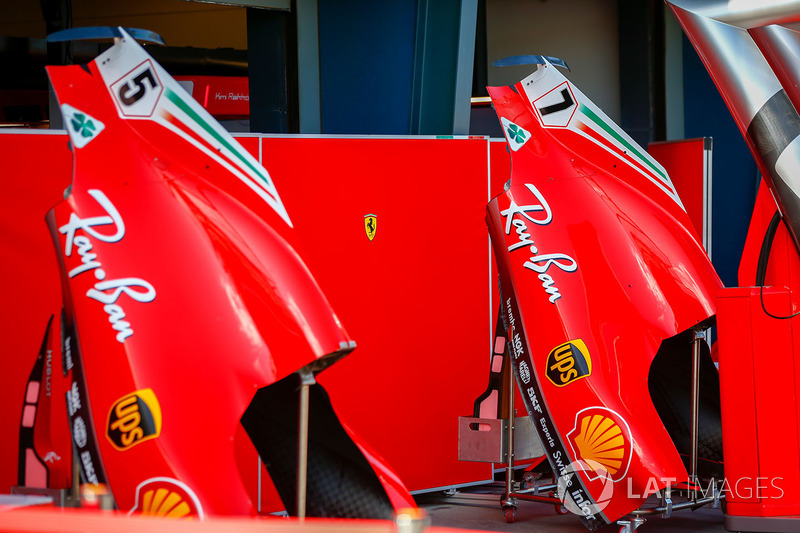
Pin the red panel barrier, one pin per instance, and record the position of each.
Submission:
(415, 297)
(688, 163)
(759, 381)
(36, 170)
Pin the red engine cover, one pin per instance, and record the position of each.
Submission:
(598, 265)
(183, 292)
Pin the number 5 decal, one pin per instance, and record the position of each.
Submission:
(132, 91)
(138, 91)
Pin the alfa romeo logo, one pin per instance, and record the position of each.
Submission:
(82, 125)
(516, 133)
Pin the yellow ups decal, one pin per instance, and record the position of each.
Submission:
(568, 362)
(133, 419)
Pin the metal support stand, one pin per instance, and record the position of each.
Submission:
(509, 503)
(699, 336)
(715, 504)
(75, 489)
(629, 526)
(666, 502)
(306, 379)
(542, 492)
(473, 445)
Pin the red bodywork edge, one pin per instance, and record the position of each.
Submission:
(598, 265)
(183, 293)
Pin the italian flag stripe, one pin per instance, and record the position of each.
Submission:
(591, 115)
(186, 108)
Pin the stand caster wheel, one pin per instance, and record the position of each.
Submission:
(560, 509)
(529, 480)
(510, 514)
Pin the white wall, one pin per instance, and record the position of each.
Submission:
(581, 32)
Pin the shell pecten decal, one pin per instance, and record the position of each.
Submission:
(167, 498)
(602, 440)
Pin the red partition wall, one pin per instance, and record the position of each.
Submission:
(35, 170)
(688, 163)
(416, 298)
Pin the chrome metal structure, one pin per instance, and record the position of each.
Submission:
(752, 68)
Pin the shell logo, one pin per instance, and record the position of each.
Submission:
(167, 498)
(602, 439)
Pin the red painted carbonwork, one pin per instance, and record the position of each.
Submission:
(598, 264)
(183, 292)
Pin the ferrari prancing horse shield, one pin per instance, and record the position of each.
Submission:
(370, 225)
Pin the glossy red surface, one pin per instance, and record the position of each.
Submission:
(759, 382)
(181, 282)
(594, 251)
(368, 280)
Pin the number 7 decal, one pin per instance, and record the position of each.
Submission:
(566, 103)
(557, 106)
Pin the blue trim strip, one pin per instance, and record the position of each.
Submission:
(103, 32)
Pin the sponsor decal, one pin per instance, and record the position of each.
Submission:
(79, 432)
(51, 457)
(80, 419)
(73, 399)
(107, 292)
(138, 91)
(82, 127)
(556, 107)
(88, 468)
(543, 264)
(48, 364)
(602, 440)
(133, 419)
(67, 355)
(568, 362)
(524, 372)
(370, 225)
(574, 500)
(555, 449)
(168, 498)
(516, 135)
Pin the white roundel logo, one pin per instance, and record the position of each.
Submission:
(580, 506)
(524, 372)
(79, 432)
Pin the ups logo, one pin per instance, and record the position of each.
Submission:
(133, 419)
(568, 362)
